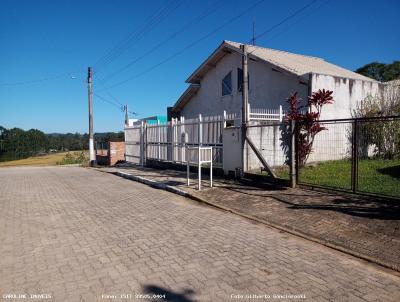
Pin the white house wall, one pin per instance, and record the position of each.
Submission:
(347, 93)
(267, 89)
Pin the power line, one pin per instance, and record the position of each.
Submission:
(49, 78)
(109, 102)
(127, 38)
(119, 105)
(188, 46)
(298, 20)
(136, 35)
(109, 93)
(199, 18)
(284, 20)
(116, 104)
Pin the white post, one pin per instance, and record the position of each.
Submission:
(187, 170)
(141, 144)
(224, 117)
(144, 143)
(158, 140)
(200, 131)
(183, 143)
(248, 112)
(200, 143)
(199, 163)
(211, 170)
(172, 139)
(280, 113)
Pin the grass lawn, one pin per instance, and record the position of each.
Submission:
(44, 160)
(377, 176)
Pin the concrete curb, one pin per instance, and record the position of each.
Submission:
(152, 183)
(180, 192)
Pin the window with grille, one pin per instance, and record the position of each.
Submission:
(227, 84)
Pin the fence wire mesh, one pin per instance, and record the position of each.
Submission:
(378, 156)
(359, 155)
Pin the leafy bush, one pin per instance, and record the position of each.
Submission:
(383, 136)
(74, 158)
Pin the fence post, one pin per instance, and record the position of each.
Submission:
(248, 117)
(354, 156)
(280, 113)
(141, 144)
(158, 140)
(145, 143)
(200, 130)
(183, 143)
(199, 164)
(172, 139)
(293, 173)
(198, 150)
(224, 118)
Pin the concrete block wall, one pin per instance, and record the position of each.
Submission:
(272, 141)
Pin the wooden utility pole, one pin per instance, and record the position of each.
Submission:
(92, 155)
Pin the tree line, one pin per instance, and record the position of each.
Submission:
(380, 71)
(16, 143)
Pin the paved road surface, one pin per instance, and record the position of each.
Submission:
(76, 234)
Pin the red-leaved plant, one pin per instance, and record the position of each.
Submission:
(307, 120)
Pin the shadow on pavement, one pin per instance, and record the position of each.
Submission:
(183, 296)
(367, 208)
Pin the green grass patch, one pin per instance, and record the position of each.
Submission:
(377, 176)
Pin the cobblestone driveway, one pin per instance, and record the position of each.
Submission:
(82, 235)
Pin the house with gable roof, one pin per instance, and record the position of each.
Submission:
(216, 85)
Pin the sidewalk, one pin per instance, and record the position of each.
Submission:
(369, 229)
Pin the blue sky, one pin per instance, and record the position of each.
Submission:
(46, 47)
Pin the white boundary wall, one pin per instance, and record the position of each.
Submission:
(167, 142)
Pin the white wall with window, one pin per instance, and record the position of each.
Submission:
(220, 88)
(227, 84)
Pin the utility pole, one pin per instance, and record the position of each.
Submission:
(126, 115)
(92, 155)
(245, 103)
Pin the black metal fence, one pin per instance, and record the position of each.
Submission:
(359, 155)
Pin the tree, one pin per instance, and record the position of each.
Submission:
(380, 71)
(16, 143)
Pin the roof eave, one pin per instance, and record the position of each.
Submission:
(186, 96)
(210, 62)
